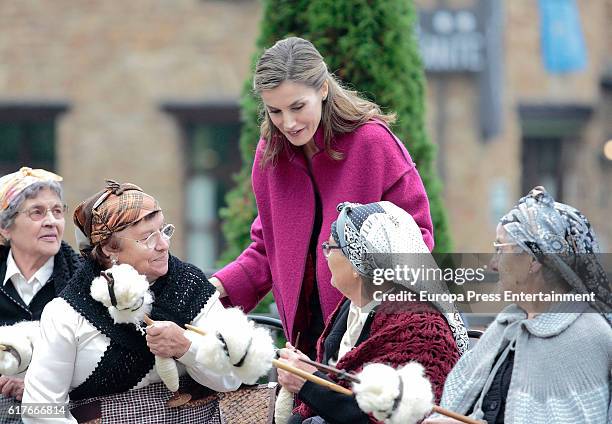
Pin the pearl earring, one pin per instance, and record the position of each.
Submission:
(114, 260)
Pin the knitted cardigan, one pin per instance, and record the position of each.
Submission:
(562, 367)
(399, 333)
(13, 309)
(179, 296)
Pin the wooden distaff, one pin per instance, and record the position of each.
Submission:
(342, 374)
(311, 377)
(343, 390)
(195, 329)
(147, 320)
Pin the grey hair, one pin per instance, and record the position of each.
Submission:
(8, 215)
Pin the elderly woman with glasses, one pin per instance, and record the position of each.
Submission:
(34, 264)
(83, 354)
(364, 240)
(541, 362)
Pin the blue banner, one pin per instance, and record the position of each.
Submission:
(563, 46)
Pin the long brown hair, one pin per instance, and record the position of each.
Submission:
(297, 60)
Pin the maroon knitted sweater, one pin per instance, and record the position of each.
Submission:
(400, 333)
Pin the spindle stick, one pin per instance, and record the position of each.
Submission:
(311, 377)
(455, 415)
(195, 329)
(327, 368)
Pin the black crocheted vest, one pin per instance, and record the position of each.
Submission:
(12, 307)
(179, 296)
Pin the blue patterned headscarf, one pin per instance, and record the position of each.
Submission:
(382, 227)
(383, 235)
(560, 237)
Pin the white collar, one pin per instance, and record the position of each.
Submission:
(363, 311)
(41, 275)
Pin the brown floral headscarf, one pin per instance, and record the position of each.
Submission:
(111, 210)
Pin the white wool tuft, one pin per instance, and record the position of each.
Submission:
(236, 330)
(168, 372)
(377, 390)
(380, 386)
(210, 354)
(131, 291)
(417, 399)
(8, 363)
(259, 357)
(283, 407)
(22, 337)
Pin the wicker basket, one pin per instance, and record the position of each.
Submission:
(249, 405)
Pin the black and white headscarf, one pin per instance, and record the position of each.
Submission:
(560, 237)
(382, 235)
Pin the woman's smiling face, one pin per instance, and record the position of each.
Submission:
(151, 262)
(295, 109)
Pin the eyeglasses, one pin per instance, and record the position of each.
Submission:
(37, 213)
(498, 246)
(327, 248)
(151, 241)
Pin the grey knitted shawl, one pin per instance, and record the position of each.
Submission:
(561, 373)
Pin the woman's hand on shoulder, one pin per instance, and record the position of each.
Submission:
(218, 285)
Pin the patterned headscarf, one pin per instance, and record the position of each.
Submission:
(111, 210)
(382, 235)
(365, 230)
(12, 185)
(560, 237)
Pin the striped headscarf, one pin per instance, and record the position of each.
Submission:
(111, 210)
(12, 185)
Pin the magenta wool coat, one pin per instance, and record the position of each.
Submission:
(375, 167)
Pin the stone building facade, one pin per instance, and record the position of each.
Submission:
(147, 91)
(116, 73)
(553, 125)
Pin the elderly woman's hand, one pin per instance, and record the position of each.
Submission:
(167, 340)
(11, 387)
(289, 381)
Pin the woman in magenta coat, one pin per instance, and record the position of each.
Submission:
(320, 145)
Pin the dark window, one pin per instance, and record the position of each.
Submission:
(551, 135)
(542, 165)
(27, 136)
(212, 157)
